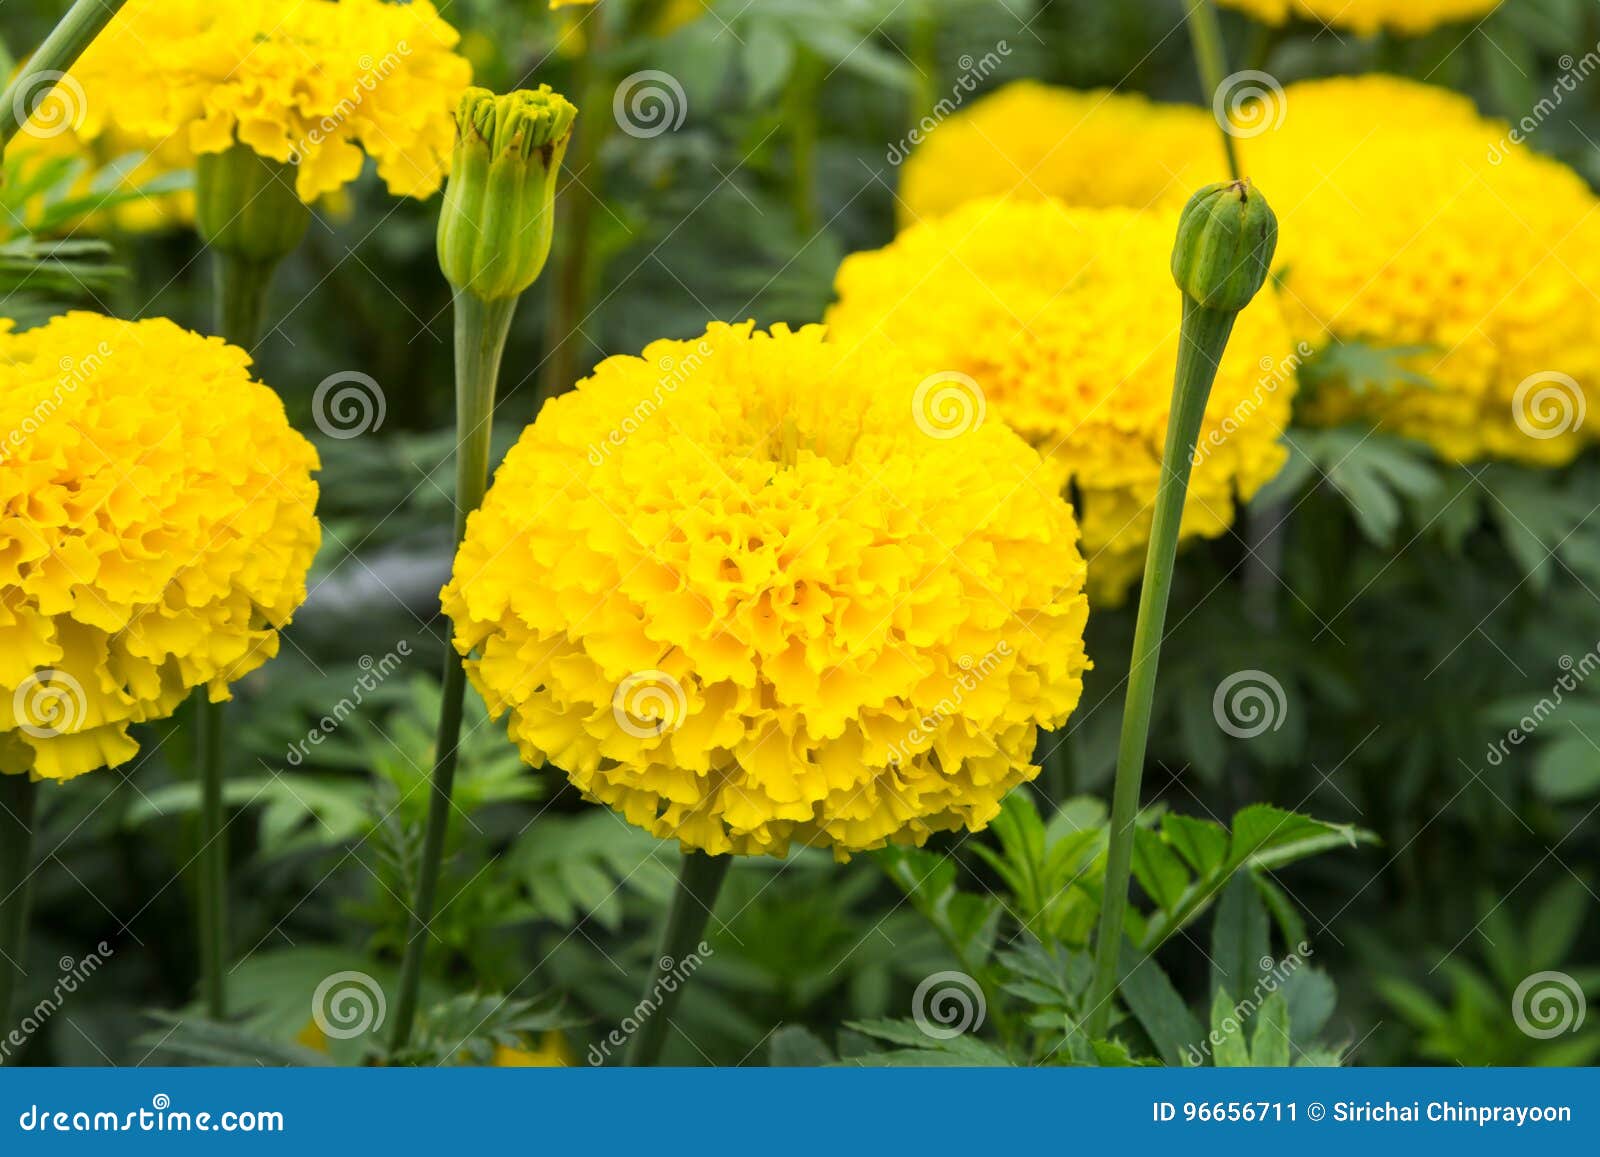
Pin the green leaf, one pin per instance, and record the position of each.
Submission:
(1239, 938)
(1269, 1044)
(1158, 1007)
(794, 1046)
(1227, 1034)
(1567, 769)
(1158, 869)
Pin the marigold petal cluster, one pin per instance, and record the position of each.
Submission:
(156, 525)
(1032, 141)
(1410, 222)
(1367, 16)
(316, 83)
(739, 591)
(1067, 320)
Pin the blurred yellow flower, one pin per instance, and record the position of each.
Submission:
(1410, 221)
(156, 531)
(1067, 320)
(1032, 141)
(307, 82)
(1367, 16)
(747, 593)
(550, 1053)
(113, 167)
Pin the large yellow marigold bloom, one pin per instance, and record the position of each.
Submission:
(1065, 321)
(1033, 141)
(1367, 16)
(156, 525)
(309, 82)
(739, 592)
(1407, 220)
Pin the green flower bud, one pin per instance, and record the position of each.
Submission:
(499, 205)
(246, 206)
(1226, 238)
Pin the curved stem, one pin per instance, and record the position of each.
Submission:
(1205, 33)
(481, 331)
(83, 22)
(1203, 337)
(699, 881)
(18, 805)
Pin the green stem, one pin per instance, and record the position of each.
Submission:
(212, 891)
(925, 60)
(18, 805)
(1202, 339)
(1205, 33)
(481, 331)
(804, 90)
(584, 186)
(699, 881)
(60, 51)
(241, 305)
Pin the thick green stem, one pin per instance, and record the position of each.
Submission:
(699, 882)
(804, 90)
(1202, 340)
(1205, 33)
(481, 331)
(241, 303)
(18, 803)
(212, 862)
(83, 22)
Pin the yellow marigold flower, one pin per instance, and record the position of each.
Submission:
(741, 592)
(552, 1052)
(308, 82)
(1066, 320)
(156, 530)
(1410, 221)
(1367, 16)
(1032, 141)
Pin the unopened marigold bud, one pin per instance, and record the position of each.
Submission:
(499, 205)
(1226, 238)
(246, 206)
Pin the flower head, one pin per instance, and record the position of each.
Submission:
(1031, 141)
(1410, 222)
(1066, 320)
(157, 528)
(739, 592)
(499, 208)
(1367, 16)
(313, 83)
